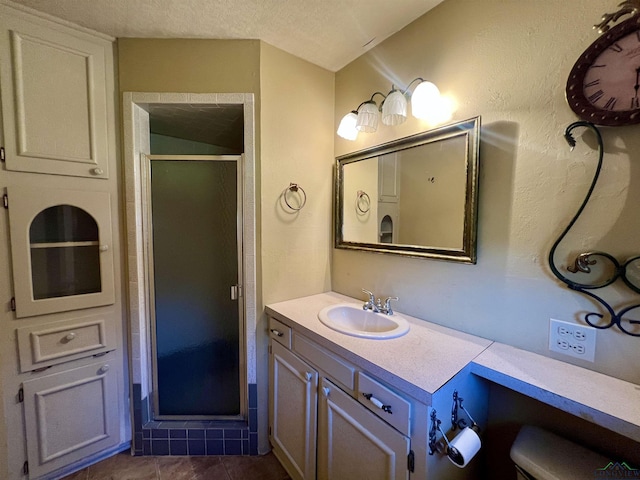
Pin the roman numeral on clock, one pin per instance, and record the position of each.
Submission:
(611, 103)
(596, 96)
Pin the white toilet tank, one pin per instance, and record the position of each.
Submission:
(544, 456)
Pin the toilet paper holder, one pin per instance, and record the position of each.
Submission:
(456, 422)
(460, 422)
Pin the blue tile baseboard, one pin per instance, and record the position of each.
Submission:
(193, 437)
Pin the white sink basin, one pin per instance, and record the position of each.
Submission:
(351, 319)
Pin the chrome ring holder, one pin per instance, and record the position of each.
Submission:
(584, 261)
(294, 187)
(363, 202)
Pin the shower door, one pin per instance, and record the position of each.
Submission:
(194, 241)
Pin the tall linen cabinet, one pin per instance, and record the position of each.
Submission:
(62, 350)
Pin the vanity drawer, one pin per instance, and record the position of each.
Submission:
(325, 361)
(280, 332)
(388, 405)
(52, 343)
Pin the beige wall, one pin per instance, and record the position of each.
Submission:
(189, 65)
(508, 61)
(296, 147)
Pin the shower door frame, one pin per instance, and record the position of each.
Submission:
(147, 225)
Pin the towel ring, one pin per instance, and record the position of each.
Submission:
(294, 187)
(363, 198)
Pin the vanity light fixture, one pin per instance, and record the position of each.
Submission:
(424, 100)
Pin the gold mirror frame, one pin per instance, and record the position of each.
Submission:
(467, 253)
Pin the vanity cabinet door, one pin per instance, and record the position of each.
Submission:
(61, 247)
(354, 443)
(293, 412)
(69, 416)
(57, 97)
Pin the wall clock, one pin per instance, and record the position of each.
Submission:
(604, 84)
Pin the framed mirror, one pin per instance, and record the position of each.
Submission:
(416, 196)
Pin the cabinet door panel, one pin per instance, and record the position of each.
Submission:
(66, 278)
(354, 443)
(69, 416)
(293, 412)
(54, 96)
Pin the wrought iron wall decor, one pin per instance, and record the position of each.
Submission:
(584, 261)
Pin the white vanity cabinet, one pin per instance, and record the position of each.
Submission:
(375, 397)
(293, 411)
(353, 443)
(317, 428)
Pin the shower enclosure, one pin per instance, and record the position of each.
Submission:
(194, 260)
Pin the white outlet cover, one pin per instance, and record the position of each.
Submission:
(581, 339)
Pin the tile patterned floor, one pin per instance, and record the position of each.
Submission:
(125, 467)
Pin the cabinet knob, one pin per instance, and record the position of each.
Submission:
(97, 171)
(103, 248)
(308, 376)
(326, 391)
(104, 368)
(70, 336)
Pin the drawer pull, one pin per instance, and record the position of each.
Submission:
(104, 368)
(70, 337)
(277, 333)
(377, 403)
(97, 171)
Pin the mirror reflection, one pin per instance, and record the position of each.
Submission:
(414, 196)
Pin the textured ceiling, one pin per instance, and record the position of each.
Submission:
(329, 33)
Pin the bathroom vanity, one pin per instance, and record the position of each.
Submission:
(330, 392)
(348, 407)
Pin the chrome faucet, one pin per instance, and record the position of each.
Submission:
(376, 306)
(371, 303)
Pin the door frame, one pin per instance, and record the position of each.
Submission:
(147, 228)
(136, 140)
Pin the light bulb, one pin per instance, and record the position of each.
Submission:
(368, 117)
(347, 128)
(424, 99)
(394, 109)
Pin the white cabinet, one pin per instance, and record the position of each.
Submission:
(354, 443)
(57, 98)
(322, 431)
(292, 412)
(70, 415)
(60, 251)
(61, 247)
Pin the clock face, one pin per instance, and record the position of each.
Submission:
(604, 84)
(612, 81)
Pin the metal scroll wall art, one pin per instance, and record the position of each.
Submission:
(629, 271)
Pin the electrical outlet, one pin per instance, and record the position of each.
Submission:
(570, 339)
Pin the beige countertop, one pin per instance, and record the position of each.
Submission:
(418, 363)
(429, 355)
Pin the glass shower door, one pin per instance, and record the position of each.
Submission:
(194, 212)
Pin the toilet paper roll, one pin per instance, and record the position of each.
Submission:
(464, 447)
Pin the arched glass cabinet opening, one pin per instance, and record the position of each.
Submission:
(61, 250)
(65, 253)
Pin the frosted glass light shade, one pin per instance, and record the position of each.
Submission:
(394, 109)
(347, 128)
(425, 97)
(367, 117)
